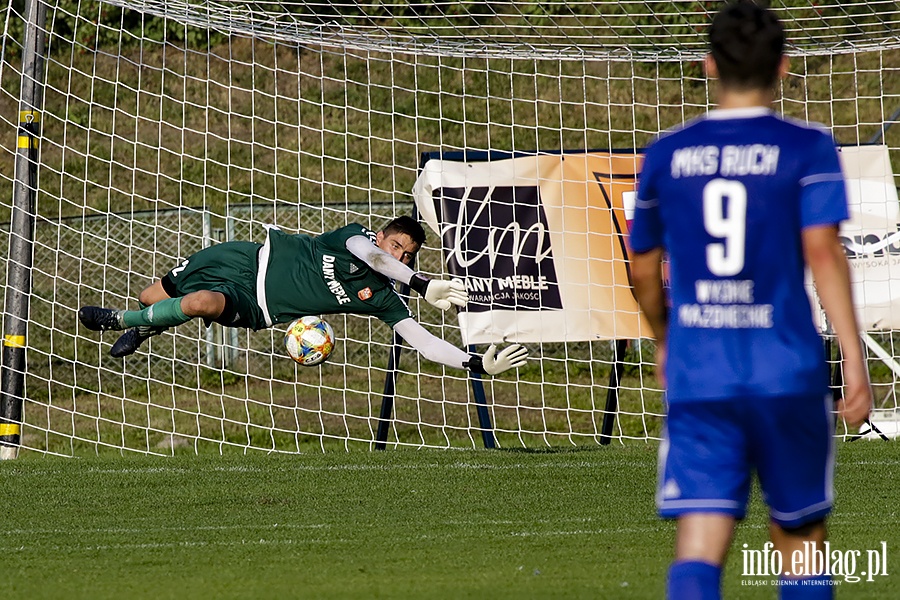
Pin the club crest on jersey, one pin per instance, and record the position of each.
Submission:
(364, 294)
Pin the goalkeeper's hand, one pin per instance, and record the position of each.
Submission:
(511, 357)
(439, 293)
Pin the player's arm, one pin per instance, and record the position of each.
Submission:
(646, 275)
(442, 294)
(647, 246)
(827, 260)
(437, 350)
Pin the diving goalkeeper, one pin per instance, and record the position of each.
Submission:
(256, 286)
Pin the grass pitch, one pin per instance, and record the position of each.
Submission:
(397, 524)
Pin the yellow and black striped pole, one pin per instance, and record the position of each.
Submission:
(11, 403)
(21, 233)
(18, 281)
(29, 130)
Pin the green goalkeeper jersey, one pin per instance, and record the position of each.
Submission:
(304, 275)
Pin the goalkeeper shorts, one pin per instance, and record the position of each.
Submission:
(228, 268)
(711, 448)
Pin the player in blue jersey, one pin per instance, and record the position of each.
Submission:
(349, 270)
(740, 201)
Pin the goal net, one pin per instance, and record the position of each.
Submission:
(169, 126)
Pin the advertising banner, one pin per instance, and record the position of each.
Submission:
(871, 236)
(540, 241)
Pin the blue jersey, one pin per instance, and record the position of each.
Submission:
(727, 197)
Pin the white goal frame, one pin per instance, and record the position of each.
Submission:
(145, 130)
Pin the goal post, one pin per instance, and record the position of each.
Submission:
(21, 241)
(167, 126)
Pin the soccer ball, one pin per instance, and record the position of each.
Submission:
(309, 341)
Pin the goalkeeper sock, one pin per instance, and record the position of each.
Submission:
(818, 587)
(165, 313)
(146, 331)
(693, 579)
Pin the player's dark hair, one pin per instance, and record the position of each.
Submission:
(406, 225)
(747, 42)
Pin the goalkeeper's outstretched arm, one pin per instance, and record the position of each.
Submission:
(437, 350)
(442, 294)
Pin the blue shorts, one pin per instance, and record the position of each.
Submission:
(711, 448)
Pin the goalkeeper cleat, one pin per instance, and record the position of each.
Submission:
(131, 340)
(101, 319)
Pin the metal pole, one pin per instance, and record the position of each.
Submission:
(481, 409)
(21, 234)
(211, 330)
(231, 347)
(390, 390)
(612, 394)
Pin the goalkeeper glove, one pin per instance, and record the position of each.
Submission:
(511, 357)
(439, 293)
